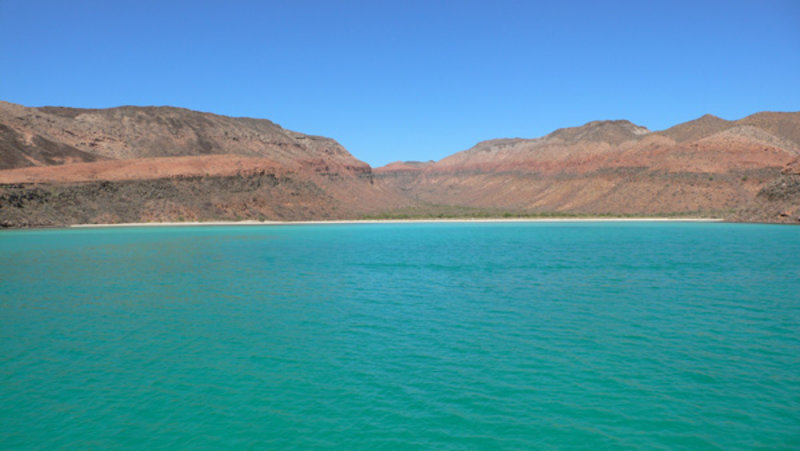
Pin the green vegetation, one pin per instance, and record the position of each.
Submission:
(435, 211)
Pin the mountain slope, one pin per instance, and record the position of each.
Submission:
(147, 163)
(145, 132)
(706, 166)
(63, 166)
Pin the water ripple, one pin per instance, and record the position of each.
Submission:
(442, 336)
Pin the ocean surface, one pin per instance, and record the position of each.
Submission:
(402, 336)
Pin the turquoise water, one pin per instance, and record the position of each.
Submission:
(436, 336)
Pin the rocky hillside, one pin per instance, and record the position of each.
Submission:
(708, 166)
(65, 165)
(777, 201)
(55, 135)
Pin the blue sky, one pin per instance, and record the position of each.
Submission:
(409, 80)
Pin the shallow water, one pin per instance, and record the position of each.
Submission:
(518, 335)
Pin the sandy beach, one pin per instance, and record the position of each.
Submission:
(390, 221)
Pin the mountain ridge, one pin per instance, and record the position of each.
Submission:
(708, 164)
(61, 166)
(138, 132)
(617, 167)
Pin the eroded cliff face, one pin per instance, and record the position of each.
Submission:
(708, 166)
(135, 164)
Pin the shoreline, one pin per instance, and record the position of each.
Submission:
(388, 221)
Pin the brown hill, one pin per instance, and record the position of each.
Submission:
(697, 129)
(610, 132)
(64, 165)
(198, 165)
(706, 166)
(143, 132)
(403, 166)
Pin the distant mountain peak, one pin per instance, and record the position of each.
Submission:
(699, 128)
(404, 166)
(609, 131)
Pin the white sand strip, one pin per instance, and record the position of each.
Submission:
(392, 221)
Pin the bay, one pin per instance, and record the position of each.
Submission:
(436, 336)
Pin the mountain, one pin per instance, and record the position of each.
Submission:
(129, 164)
(56, 135)
(62, 166)
(708, 166)
(696, 129)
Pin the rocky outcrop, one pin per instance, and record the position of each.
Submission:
(196, 198)
(777, 201)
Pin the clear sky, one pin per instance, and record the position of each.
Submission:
(411, 80)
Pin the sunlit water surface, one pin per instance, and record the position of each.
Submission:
(520, 335)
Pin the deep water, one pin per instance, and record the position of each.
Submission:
(385, 336)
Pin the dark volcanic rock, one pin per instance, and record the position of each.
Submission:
(777, 201)
(261, 196)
